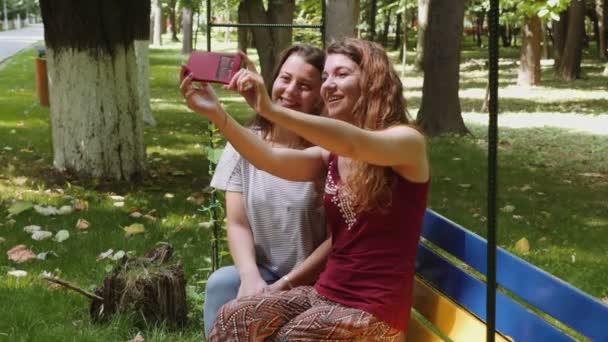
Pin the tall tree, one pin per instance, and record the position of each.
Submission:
(171, 7)
(600, 10)
(344, 14)
(157, 22)
(529, 60)
(373, 8)
(270, 42)
(141, 21)
(95, 110)
(440, 109)
(423, 17)
(569, 67)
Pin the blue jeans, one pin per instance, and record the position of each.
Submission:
(222, 287)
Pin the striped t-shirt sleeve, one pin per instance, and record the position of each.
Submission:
(227, 175)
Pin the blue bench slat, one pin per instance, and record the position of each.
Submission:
(512, 319)
(557, 298)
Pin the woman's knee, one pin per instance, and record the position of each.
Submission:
(223, 279)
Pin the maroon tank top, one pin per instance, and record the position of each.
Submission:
(371, 266)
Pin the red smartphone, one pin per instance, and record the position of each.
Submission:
(212, 67)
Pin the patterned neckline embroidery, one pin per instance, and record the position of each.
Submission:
(341, 199)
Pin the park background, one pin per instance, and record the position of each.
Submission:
(553, 146)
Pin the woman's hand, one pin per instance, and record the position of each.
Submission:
(251, 285)
(201, 99)
(279, 285)
(251, 86)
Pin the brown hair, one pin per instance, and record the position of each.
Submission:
(311, 55)
(380, 106)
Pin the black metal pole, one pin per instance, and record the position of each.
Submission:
(492, 172)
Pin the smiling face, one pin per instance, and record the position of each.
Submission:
(341, 86)
(297, 86)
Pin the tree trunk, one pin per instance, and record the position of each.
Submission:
(544, 33)
(172, 21)
(157, 23)
(387, 24)
(502, 29)
(529, 61)
(243, 32)
(423, 16)
(600, 9)
(404, 46)
(373, 7)
(397, 42)
(440, 108)
(344, 16)
(559, 38)
(141, 20)
(268, 42)
(479, 28)
(570, 65)
(96, 115)
(187, 17)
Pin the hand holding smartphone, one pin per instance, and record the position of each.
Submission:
(213, 67)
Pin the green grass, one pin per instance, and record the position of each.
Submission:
(544, 175)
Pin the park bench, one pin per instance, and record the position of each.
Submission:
(453, 300)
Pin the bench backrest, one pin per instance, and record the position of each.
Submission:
(535, 287)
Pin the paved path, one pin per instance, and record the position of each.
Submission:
(13, 41)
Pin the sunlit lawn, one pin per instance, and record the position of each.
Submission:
(553, 184)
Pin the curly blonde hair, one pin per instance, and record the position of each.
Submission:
(380, 106)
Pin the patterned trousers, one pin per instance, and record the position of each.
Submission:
(300, 314)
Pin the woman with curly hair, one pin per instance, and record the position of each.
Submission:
(377, 179)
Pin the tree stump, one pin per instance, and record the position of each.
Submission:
(147, 287)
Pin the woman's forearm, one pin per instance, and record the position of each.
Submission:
(242, 249)
(308, 271)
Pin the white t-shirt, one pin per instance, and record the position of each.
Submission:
(287, 218)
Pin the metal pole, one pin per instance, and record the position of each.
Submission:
(492, 172)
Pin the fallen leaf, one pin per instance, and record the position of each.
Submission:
(525, 188)
(62, 235)
(150, 218)
(573, 258)
(2, 240)
(19, 207)
(134, 229)
(81, 205)
(44, 255)
(117, 198)
(83, 224)
(19, 180)
(178, 173)
(592, 174)
(507, 208)
(65, 210)
(138, 338)
(31, 229)
(517, 217)
(605, 300)
(118, 255)
(456, 159)
(105, 255)
(169, 196)
(11, 222)
(522, 246)
(46, 210)
(17, 273)
(40, 235)
(465, 186)
(447, 179)
(119, 204)
(136, 214)
(20, 253)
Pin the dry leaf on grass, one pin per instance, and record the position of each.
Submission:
(2, 240)
(119, 204)
(169, 196)
(134, 229)
(20, 253)
(507, 208)
(31, 229)
(83, 224)
(40, 235)
(17, 273)
(62, 235)
(117, 198)
(136, 214)
(605, 300)
(196, 198)
(522, 246)
(81, 205)
(105, 255)
(138, 338)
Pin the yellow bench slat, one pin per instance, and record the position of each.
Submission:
(450, 318)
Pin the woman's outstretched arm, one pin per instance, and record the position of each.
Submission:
(398, 146)
(290, 164)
